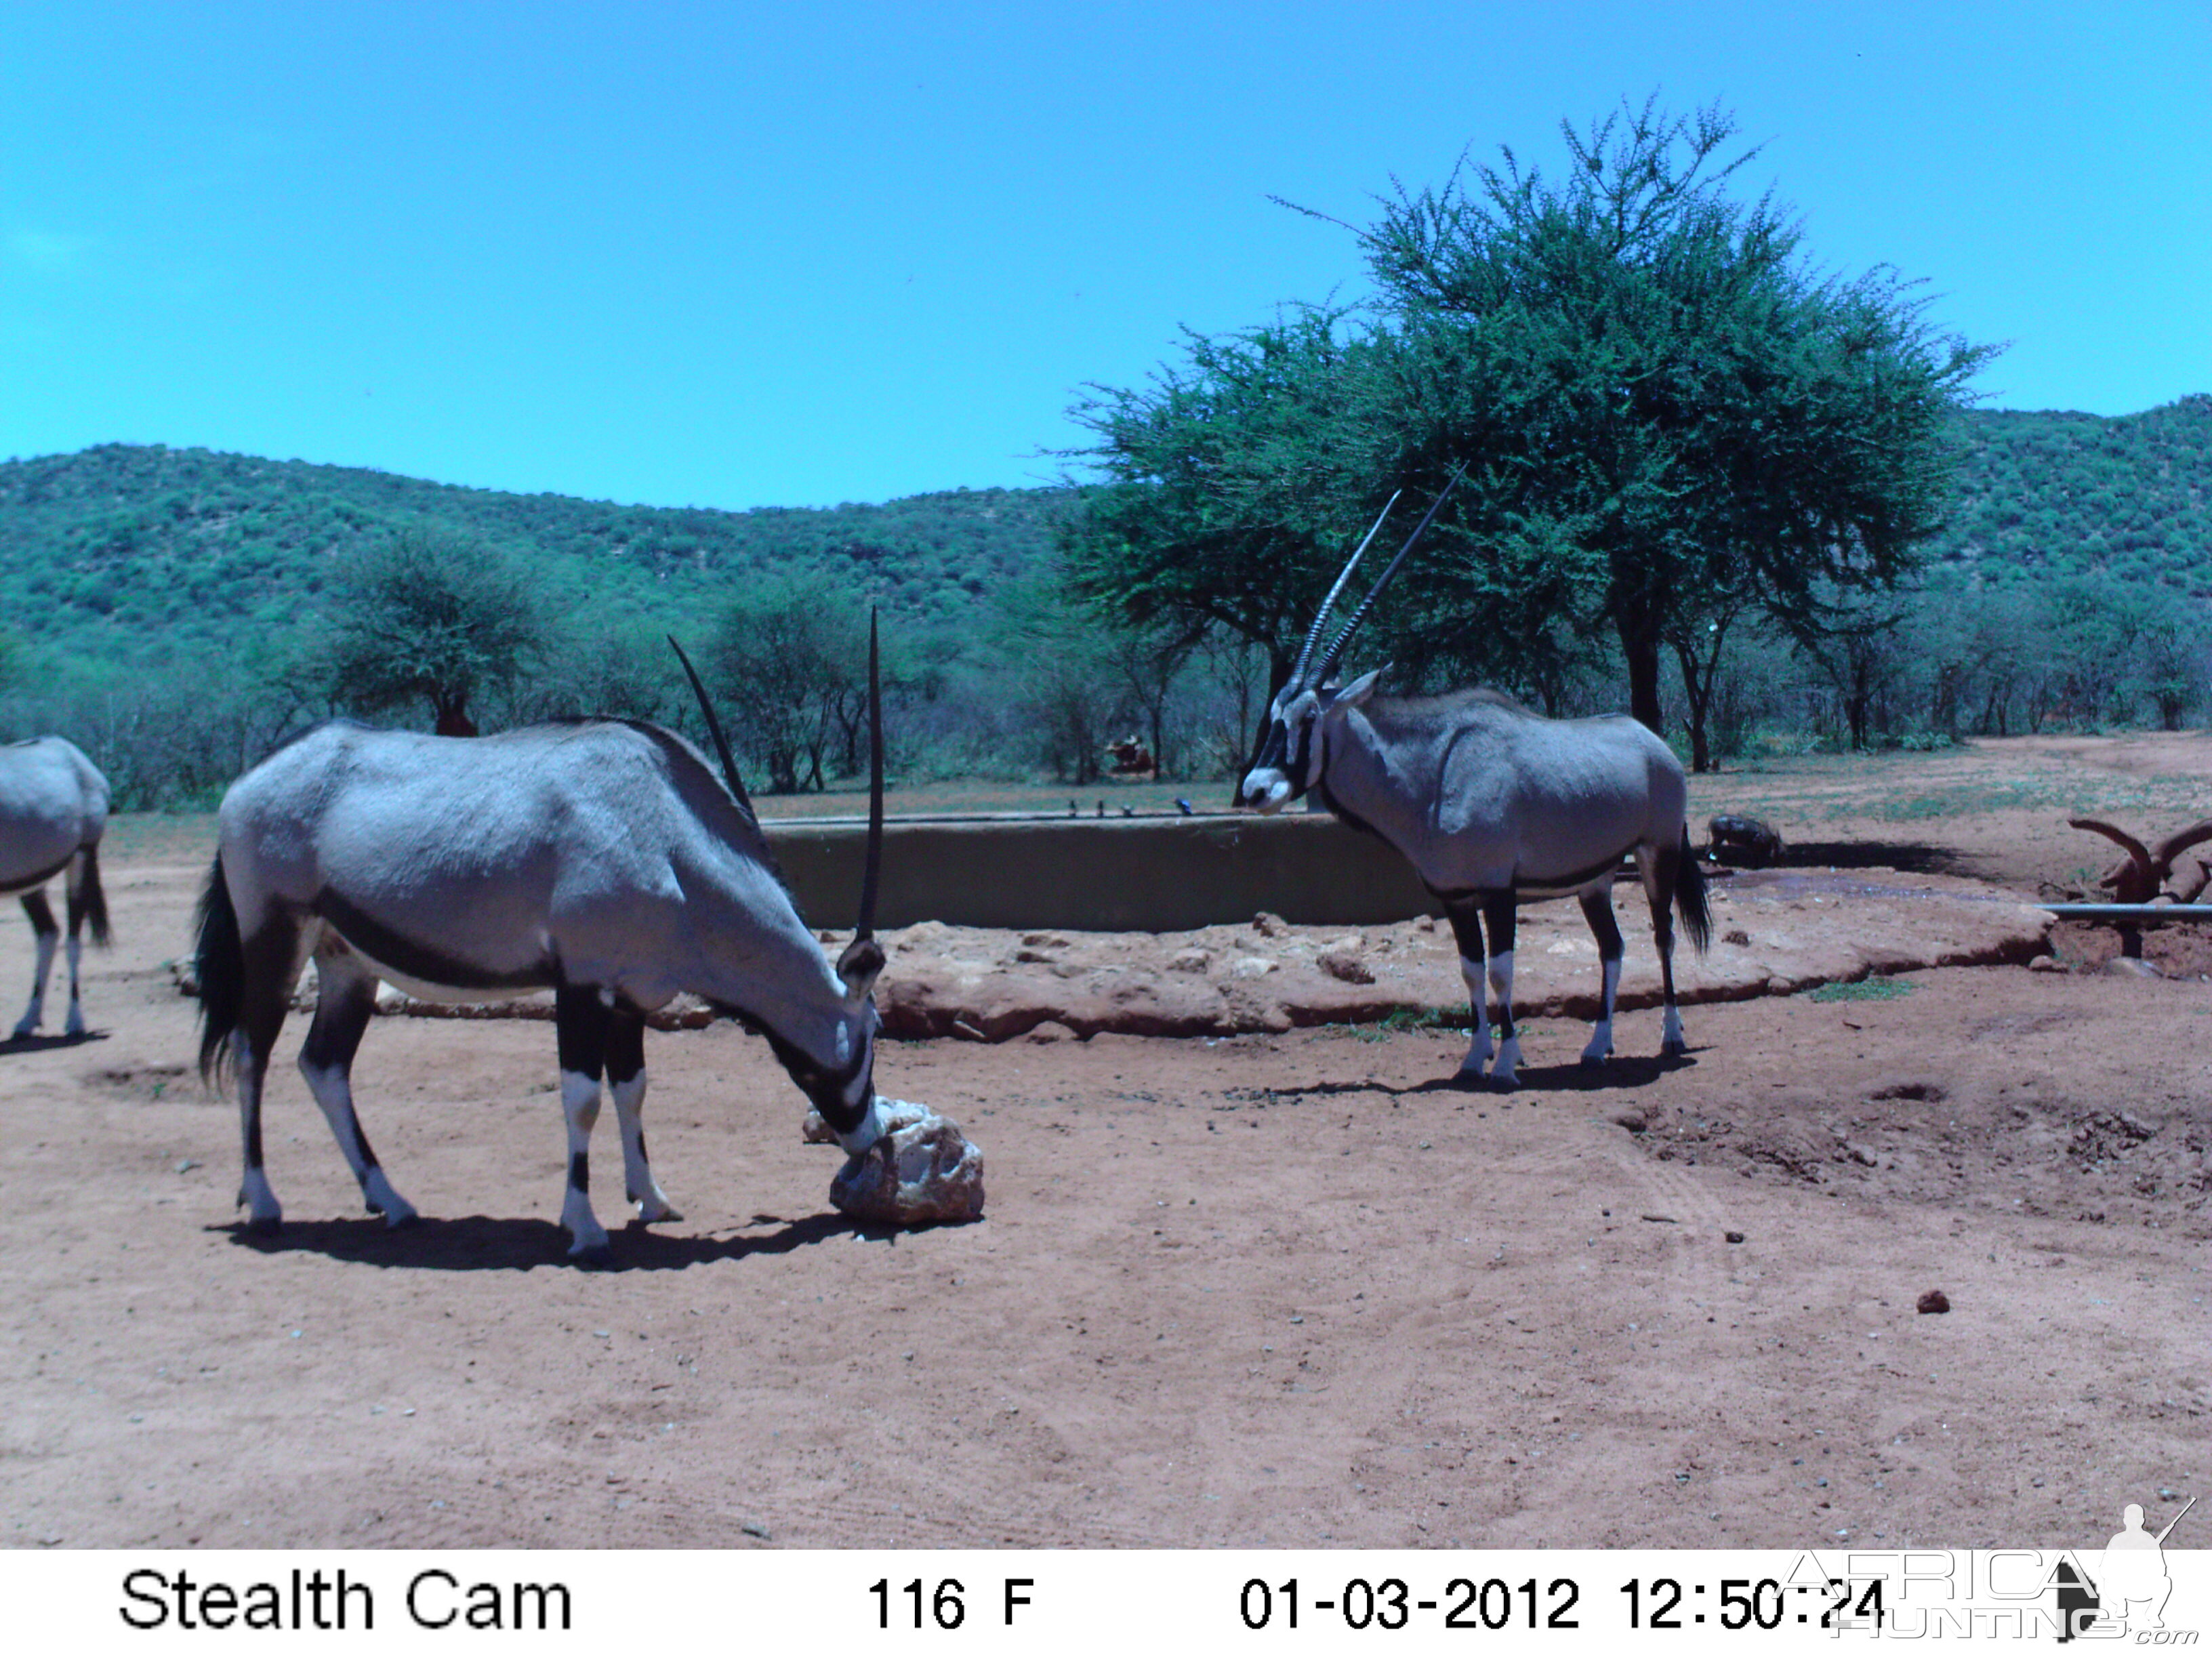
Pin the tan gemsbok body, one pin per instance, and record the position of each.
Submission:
(600, 859)
(54, 808)
(1494, 806)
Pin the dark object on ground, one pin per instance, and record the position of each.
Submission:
(1934, 1302)
(1734, 1238)
(2145, 877)
(1747, 843)
(2142, 875)
(1132, 759)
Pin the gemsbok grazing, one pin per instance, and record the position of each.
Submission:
(1495, 805)
(597, 858)
(54, 807)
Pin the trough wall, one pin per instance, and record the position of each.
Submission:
(1100, 875)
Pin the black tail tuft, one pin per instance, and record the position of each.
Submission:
(92, 898)
(1690, 895)
(220, 965)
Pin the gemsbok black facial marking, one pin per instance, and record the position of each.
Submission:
(1494, 805)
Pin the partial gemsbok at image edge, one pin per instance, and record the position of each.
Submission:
(597, 858)
(1495, 805)
(53, 808)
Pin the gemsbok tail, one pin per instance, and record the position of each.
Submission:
(1690, 895)
(220, 965)
(90, 896)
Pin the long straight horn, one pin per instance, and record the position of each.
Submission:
(1344, 637)
(866, 927)
(714, 730)
(1321, 617)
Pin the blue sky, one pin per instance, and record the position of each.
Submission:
(740, 256)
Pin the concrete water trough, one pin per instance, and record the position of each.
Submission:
(1152, 874)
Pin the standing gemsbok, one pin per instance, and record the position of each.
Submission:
(599, 857)
(1495, 805)
(53, 806)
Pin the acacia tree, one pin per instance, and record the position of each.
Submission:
(2172, 657)
(428, 618)
(1699, 641)
(1666, 418)
(1711, 421)
(1860, 651)
(790, 653)
(1233, 483)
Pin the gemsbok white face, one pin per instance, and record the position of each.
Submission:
(1492, 804)
(1289, 763)
(600, 859)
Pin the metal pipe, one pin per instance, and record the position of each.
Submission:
(2133, 913)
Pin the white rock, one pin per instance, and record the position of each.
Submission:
(923, 1171)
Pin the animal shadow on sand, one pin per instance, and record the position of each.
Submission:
(38, 1043)
(1621, 1072)
(1916, 858)
(480, 1244)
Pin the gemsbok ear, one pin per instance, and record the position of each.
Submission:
(858, 967)
(1360, 690)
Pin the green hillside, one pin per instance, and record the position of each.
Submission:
(130, 553)
(156, 602)
(2054, 493)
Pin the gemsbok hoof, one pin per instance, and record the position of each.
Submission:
(1675, 1049)
(1594, 1062)
(1506, 1074)
(265, 1226)
(652, 1210)
(596, 1258)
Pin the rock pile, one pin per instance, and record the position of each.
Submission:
(1775, 933)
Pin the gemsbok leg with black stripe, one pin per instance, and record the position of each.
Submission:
(1494, 806)
(53, 808)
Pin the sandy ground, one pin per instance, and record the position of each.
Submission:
(1279, 1288)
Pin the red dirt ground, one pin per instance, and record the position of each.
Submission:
(1274, 1289)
